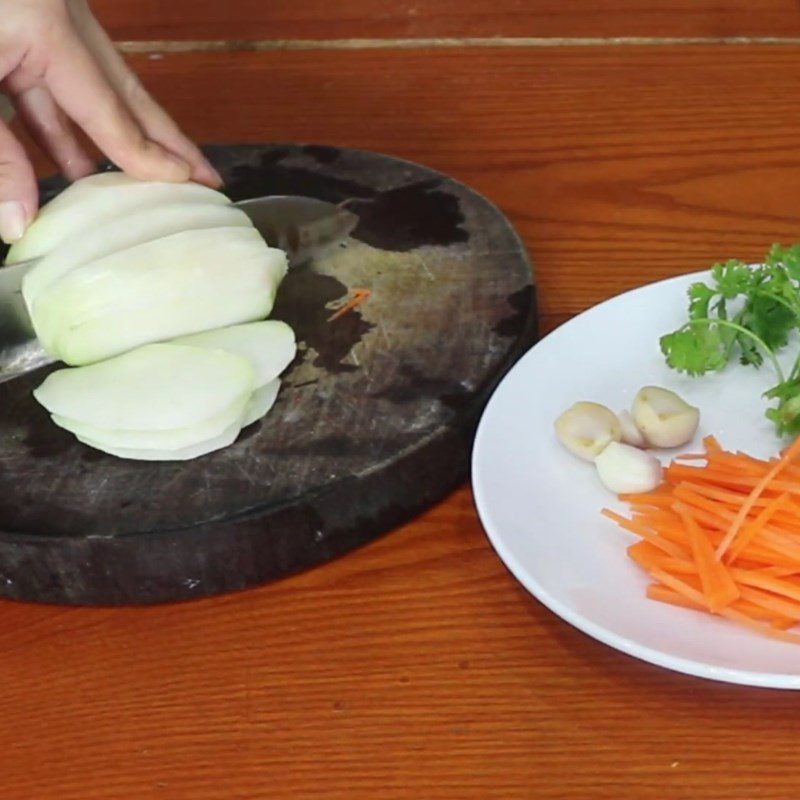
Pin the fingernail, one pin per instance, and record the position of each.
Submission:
(13, 221)
(212, 174)
(205, 173)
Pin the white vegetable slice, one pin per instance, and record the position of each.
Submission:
(261, 402)
(268, 345)
(136, 228)
(154, 446)
(157, 387)
(161, 439)
(227, 437)
(95, 201)
(176, 285)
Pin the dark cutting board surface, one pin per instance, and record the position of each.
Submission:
(373, 423)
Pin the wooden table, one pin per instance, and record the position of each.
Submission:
(628, 141)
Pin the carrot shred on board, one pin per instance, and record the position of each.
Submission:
(359, 296)
(723, 537)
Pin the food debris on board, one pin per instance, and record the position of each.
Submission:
(359, 297)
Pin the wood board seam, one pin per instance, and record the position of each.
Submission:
(260, 45)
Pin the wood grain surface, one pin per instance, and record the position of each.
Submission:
(318, 19)
(417, 667)
(618, 166)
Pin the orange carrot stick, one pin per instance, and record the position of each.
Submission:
(693, 595)
(640, 530)
(746, 535)
(719, 588)
(790, 453)
(776, 605)
(657, 591)
(777, 586)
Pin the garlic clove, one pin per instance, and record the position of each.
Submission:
(664, 418)
(586, 428)
(623, 469)
(630, 433)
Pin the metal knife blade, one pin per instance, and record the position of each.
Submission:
(304, 227)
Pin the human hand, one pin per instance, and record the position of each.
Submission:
(59, 67)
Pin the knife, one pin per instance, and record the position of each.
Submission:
(303, 227)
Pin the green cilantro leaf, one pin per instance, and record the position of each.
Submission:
(695, 350)
(747, 313)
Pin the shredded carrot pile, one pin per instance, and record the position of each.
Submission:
(359, 296)
(723, 536)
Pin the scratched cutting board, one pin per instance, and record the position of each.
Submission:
(373, 424)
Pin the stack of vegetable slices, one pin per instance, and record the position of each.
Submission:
(724, 537)
(173, 400)
(156, 294)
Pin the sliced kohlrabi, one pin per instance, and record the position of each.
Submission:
(172, 439)
(158, 387)
(142, 225)
(227, 437)
(152, 446)
(97, 200)
(268, 345)
(261, 401)
(176, 285)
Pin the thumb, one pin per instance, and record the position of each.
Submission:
(18, 189)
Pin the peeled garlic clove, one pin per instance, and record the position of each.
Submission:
(586, 428)
(623, 469)
(664, 419)
(630, 433)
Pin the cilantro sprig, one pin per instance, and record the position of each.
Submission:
(747, 313)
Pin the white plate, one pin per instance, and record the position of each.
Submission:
(541, 506)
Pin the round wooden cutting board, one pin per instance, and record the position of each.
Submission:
(374, 421)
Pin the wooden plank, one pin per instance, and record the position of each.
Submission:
(318, 19)
(618, 167)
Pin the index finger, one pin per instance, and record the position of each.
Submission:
(80, 88)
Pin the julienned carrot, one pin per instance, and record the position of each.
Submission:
(687, 592)
(775, 605)
(719, 588)
(724, 537)
(657, 591)
(675, 472)
(790, 452)
(640, 530)
(777, 586)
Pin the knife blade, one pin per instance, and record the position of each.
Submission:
(303, 227)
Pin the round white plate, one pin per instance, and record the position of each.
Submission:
(540, 505)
